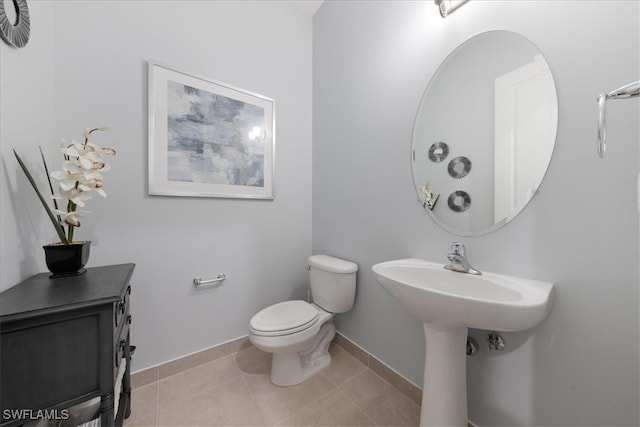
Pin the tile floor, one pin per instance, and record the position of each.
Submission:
(235, 391)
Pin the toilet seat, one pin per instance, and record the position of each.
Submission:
(284, 318)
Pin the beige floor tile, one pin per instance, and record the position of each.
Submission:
(334, 409)
(250, 360)
(148, 421)
(142, 378)
(380, 401)
(279, 403)
(144, 402)
(235, 390)
(229, 404)
(410, 390)
(185, 384)
(343, 366)
(352, 348)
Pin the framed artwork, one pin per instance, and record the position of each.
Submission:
(208, 139)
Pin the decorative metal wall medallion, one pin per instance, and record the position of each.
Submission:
(459, 167)
(459, 201)
(438, 151)
(16, 34)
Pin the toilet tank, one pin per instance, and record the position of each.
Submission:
(333, 283)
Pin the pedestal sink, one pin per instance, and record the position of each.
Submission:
(448, 303)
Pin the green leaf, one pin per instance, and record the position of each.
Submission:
(52, 217)
(46, 171)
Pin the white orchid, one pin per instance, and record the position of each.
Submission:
(71, 218)
(81, 173)
(426, 196)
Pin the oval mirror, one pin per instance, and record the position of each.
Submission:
(493, 104)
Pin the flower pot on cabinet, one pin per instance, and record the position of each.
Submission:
(67, 260)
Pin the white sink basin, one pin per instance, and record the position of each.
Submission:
(490, 301)
(449, 302)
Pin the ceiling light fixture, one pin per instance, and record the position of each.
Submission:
(448, 6)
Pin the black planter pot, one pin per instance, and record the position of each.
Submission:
(67, 260)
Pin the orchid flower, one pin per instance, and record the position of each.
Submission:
(81, 174)
(71, 218)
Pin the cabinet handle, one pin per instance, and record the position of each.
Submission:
(129, 319)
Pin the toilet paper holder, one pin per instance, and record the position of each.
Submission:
(199, 281)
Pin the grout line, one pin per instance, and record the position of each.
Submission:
(412, 391)
(245, 380)
(335, 387)
(225, 348)
(194, 392)
(361, 409)
(157, 403)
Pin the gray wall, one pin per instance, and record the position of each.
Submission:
(86, 66)
(372, 62)
(26, 99)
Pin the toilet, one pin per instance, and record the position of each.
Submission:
(299, 333)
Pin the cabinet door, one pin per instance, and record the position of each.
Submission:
(47, 364)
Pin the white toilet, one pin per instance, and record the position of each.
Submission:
(299, 333)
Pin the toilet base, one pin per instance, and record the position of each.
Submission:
(293, 368)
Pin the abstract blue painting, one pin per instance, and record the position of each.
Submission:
(213, 139)
(208, 139)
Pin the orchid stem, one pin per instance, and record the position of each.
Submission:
(46, 170)
(58, 227)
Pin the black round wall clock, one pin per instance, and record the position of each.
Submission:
(16, 33)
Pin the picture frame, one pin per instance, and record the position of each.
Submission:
(208, 139)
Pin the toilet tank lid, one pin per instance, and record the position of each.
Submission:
(332, 264)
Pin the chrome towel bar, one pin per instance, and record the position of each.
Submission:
(628, 91)
(198, 280)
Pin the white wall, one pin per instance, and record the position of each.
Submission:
(25, 122)
(372, 62)
(93, 72)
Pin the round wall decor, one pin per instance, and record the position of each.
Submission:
(16, 34)
(459, 167)
(459, 201)
(438, 151)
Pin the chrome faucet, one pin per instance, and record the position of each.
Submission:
(458, 260)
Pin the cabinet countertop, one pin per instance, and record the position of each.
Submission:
(40, 294)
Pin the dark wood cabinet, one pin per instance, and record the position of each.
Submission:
(63, 342)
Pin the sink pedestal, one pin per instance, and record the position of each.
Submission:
(448, 303)
(444, 394)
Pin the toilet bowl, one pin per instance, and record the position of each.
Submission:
(287, 329)
(297, 333)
